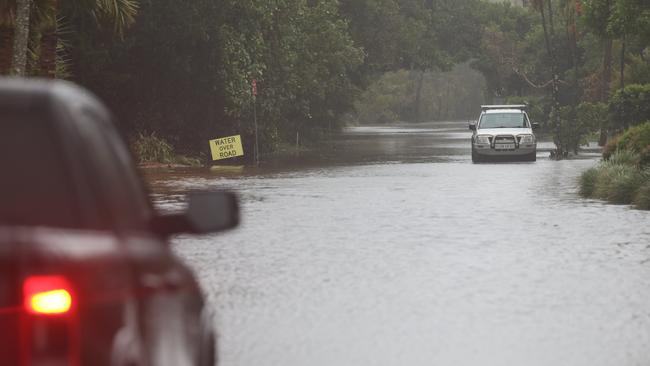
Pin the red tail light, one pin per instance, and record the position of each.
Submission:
(49, 325)
(47, 295)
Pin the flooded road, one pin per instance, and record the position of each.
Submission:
(389, 247)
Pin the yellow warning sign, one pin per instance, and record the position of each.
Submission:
(226, 147)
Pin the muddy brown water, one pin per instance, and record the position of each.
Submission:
(387, 246)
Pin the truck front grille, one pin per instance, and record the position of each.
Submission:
(504, 139)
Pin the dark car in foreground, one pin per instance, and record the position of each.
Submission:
(87, 275)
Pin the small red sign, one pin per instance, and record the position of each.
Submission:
(254, 85)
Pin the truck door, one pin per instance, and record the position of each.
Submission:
(168, 297)
(39, 191)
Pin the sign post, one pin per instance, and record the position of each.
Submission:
(257, 146)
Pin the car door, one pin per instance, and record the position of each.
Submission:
(169, 299)
(55, 237)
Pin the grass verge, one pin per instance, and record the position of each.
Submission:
(619, 180)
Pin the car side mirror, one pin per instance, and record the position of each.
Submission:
(472, 126)
(535, 126)
(207, 212)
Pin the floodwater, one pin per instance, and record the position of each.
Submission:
(389, 247)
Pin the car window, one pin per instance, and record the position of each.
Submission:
(35, 188)
(503, 120)
(125, 207)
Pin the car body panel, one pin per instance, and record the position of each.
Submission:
(139, 304)
(505, 131)
(509, 137)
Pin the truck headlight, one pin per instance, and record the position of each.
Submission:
(483, 139)
(526, 139)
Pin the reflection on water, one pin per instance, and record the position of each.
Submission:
(390, 248)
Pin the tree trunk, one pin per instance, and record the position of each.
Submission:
(21, 37)
(607, 69)
(559, 153)
(605, 80)
(546, 39)
(6, 47)
(551, 24)
(418, 96)
(448, 97)
(47, 57)
(623, 62)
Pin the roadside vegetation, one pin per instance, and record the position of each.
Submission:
(623, 177)
(151, 150)
(184, 69)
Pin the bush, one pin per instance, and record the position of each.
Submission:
(636, 138)
(624, 157)
(611, 147)
(588, 182)
(592, 116)
(629, 106)
(189, 161)
(577, 123)
(644, 157)
(642, 198)
(618, 183)
(152, 149)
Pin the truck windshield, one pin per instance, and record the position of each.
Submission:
(504, 120)
(34, 188)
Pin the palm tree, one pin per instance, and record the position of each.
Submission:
(121, 13)
(46, 23)
(7, 15)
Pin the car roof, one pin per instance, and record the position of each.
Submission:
(47, 95)
(493, 111)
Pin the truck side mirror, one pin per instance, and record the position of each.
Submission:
(535, 126)
(207, 212)
(472, 126)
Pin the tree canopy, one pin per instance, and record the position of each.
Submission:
(183, 69)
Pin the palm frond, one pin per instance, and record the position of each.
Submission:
(44, 14)
(63, 62)
(120, 12)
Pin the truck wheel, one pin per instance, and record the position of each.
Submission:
(531, 157)
(208, 352)
(475, 157)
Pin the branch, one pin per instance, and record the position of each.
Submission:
(537, 86)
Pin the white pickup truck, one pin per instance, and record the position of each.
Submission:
(503, 132)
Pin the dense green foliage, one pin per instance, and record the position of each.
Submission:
(578, 41)
(624, 175)
(619, 180)
(629, 106)
(588, 182)
(184, 68)
(152, 149)
(642, 199)
(577, 122)
(636, 139)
